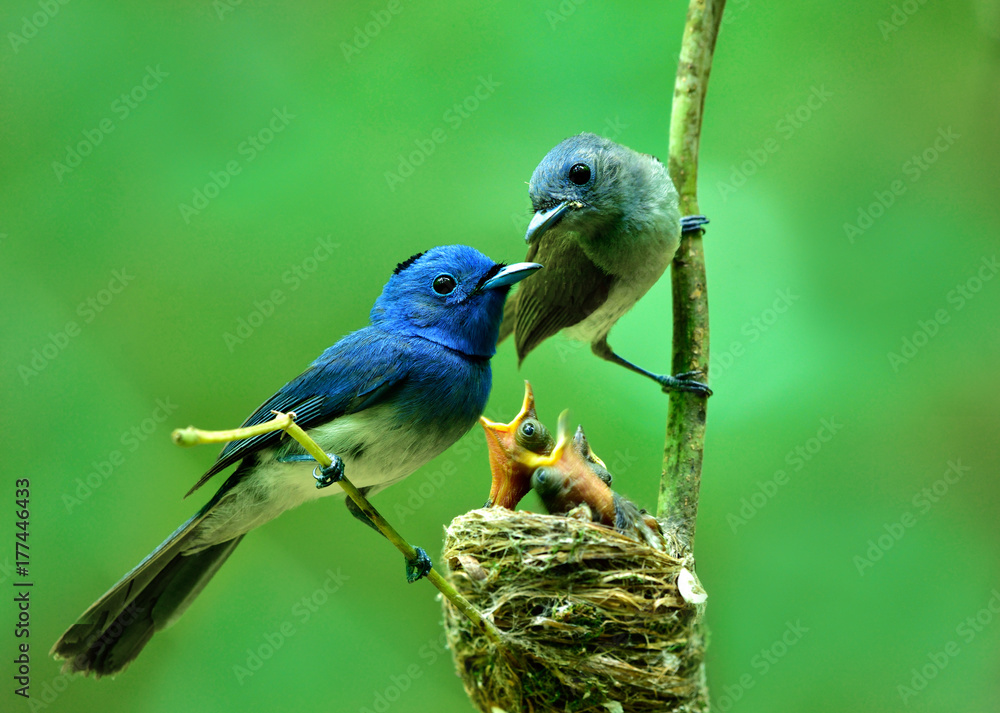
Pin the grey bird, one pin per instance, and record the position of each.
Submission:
(606, 225)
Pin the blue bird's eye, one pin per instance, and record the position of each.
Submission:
(579, 173)
(444, 284)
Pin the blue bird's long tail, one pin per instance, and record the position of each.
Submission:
(112, 632)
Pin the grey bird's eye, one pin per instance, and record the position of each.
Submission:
(579, 173)
(444, 284)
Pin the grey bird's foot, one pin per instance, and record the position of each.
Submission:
(684, 382)
(691, 223)
(681, 382)
(328, 475)
(419, 566)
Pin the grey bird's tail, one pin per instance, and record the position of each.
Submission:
(112, 632)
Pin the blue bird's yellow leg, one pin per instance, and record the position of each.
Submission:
(680, 382)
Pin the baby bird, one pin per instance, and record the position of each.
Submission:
(566, 479)
(505, 443)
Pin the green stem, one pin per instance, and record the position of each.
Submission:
(192, 436)
(383, 526)
(680, 479)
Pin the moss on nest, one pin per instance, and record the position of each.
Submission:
(592, 619)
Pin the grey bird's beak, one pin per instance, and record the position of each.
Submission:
(511, 274)
(545, 219)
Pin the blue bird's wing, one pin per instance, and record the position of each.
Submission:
(357, 372)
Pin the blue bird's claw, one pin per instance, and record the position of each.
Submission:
(328, 475)
(691, 223)
(419, 566)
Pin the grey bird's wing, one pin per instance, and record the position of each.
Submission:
(565, 292)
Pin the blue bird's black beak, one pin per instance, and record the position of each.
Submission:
(544, 219)
(510, 274)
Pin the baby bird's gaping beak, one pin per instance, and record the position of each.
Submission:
(565, 479)
(507, 443)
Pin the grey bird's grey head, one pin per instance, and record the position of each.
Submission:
(601, 190)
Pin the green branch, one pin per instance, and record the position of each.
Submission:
(680, 479)
(192, 436)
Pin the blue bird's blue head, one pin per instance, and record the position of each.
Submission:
(451, 295)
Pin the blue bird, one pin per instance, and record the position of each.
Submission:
(385, 400)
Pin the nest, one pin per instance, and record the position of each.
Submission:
(592, 619)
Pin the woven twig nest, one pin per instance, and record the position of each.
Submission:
(592, 619)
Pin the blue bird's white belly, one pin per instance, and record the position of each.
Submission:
(377, 447)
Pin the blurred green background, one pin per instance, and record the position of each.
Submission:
(313, 134)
